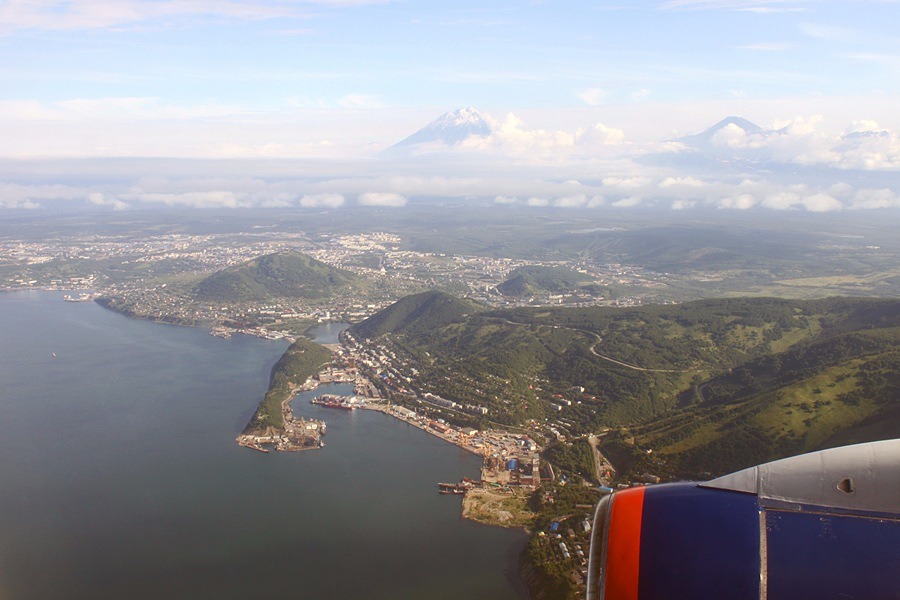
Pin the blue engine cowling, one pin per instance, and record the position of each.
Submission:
(818, 526)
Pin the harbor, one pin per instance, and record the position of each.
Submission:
(341, 402)
(298, 433)
(511, 467)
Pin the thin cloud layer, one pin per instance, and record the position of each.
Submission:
(657, 190)
(390, 199)
(322, 200)
(56, 15)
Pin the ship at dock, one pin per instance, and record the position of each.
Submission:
(342, 402)
(80, 298)
(457, 488)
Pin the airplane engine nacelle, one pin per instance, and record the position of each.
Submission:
(818, 526)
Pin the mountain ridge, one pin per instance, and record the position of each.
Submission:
(736, 381)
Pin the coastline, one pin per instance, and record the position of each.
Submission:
(478, 504)
(292, 438)
(385, 408)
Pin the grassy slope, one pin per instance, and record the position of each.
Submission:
(820, 394)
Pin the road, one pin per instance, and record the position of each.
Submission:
(600, 462)
(593, 348)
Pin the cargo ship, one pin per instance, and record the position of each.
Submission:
(450, 488)
(333, 401)
(457, 488)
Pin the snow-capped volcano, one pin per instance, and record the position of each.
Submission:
(705, 138)
(449, 129)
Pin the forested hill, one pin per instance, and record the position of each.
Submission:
(529, 280)
(416, 314)
(280, 275)
(742, 379)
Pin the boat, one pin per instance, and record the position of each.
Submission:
(450, 488)
(332, 401)
(78, 298)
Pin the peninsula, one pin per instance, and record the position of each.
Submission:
(274, 423)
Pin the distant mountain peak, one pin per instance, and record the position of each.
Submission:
(741, 122)
(450, 129)
(706, 136)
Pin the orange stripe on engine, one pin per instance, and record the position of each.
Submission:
(623, 555)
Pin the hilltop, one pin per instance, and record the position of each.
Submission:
(416, 314)
(280, 275)
(530, 280)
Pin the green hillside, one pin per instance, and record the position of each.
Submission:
(530, 280)
(301, 360)
(417, 313)
(711, 385)
(280, 275)
(828, 392)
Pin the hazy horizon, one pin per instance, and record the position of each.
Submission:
(586, 104)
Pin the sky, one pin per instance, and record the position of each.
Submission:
(345, 79)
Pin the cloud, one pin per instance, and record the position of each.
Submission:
(275, 203)
(740, 202)
(683, 204)
(105, 14)
(687, 181)
(360, 101)
(537, 201)
(787, 200)
(821, 203)
(768, 47)
(641, 94)
(629, 202)
(571, 201)
(210, 199)
(322, 201)
(510, 137)
(600, 135)
(592, 96)
(114, 108)
(15, 195)
(735, 137)
(382, 199)
(98, 199)
(506, 200)
(829, 33)
(870, 199)
(627, 182)
(802, 140)
(758, 6)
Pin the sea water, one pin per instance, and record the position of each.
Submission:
(120, 478)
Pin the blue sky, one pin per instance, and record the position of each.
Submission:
(117, 77)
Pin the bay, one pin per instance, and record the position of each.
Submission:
(120, 478)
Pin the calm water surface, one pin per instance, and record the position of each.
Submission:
(119, 477)
(327, 333)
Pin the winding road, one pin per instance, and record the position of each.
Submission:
(593, 348)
